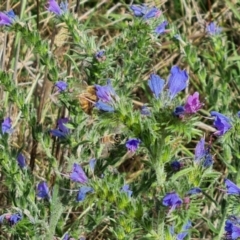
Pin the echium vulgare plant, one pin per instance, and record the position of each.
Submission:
(116, 133)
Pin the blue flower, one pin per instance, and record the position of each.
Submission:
(208, 161)
(125, 189)
(21, 160)
(176, 165)
(213, 29)
(200, 150)
(203, 153)
(66, 237)
(61, 85)
(145, 111)
(61, 125)
(179, 111)
(15, 218)
(133, 144)
(138, 10)
(42, 190)
(184, 232)
(100, 55)
(82, 193)
(221, 122)
(160, 29)
(151, 13)
(78, 175)
(103, 107)
(232, 188)
(194, 190)
(232, 231)
(156, 85)
(92, 164)
(7, 126)
(7, 18)
(172, 200)
(56, 9)
(144, 11)
(62, 130)
(105, 93)
(238, 113)
(177, 81)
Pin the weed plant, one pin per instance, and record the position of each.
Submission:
(119, 120)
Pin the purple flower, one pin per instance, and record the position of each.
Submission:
(160, 29)
(177, 81)
(193, 103)
(42, 190)
(200, 150)
(82, 193)
(61, 125)
(105, 93)
(221, 122)
(133, 144)
(194, 190)
(232, 231)
(61, 85)
(172, 200)
(7, 18)
(56, 9)
(7, 125)
(213, 29)
(151, 13)
(208, 160)
(179, 111)
(145, 111)
(15, 218)
(231, 187)
(238, 113)
(62, 130)
(125, 189)
(103, 107)
(21, 160)
(184, 232)
(100, 54)
(176, 165)
(156, 85)
(92, 164)
(66, 237)
(203, 153)
(78, 175)
(144, 11)
(138, 10)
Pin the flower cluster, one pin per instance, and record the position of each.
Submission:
(177, 81)
(12, 219)
(192, 105)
